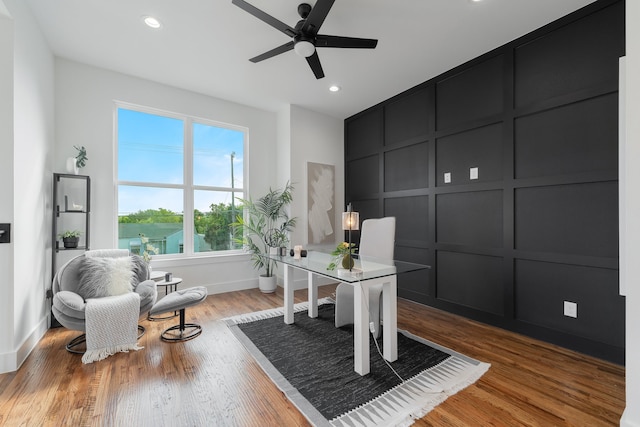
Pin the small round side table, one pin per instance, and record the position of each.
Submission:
(169, 286)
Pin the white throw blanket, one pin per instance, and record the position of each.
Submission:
(112, 326)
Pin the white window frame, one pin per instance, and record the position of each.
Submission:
(188, 188)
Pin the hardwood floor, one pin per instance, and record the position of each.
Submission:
(213, 381)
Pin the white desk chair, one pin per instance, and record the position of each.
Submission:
(377, 239)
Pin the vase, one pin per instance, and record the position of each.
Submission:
(347, 262)
(72, 166)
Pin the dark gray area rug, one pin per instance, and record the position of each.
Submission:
(311, 361)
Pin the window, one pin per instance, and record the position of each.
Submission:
(178, 183)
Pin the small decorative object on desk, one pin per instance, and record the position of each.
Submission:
(297, 249)
(168, 277)
(343, 254)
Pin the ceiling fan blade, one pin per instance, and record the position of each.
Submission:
(314, 63)
(273, 52)
(263, 16)
(346, 42)
(317, 16)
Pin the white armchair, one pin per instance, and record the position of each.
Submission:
(377, 239)
(73, 285)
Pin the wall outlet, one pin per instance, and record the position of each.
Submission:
(570, 309)
(473, 173)
(447, 177)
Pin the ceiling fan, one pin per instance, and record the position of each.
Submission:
(305, 37)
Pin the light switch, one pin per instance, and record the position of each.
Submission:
(447, 177)
(5, 233)
(473, 173)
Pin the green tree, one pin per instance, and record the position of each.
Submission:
(214, 225)
(151, 216)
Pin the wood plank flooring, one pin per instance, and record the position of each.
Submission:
(213, 381)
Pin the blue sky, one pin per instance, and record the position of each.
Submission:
(150, 149)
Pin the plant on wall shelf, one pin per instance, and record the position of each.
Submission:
(70, 238)
(81, 157)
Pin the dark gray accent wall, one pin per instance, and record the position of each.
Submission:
(538, 117)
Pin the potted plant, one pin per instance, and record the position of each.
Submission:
(79, 161)
(81, 157)
(70, 238)
(266, 225)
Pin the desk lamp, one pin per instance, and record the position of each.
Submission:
(350, 221)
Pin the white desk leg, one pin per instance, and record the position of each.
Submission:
(288, 294)
(390, 318)
(313, 296)
(361, 328)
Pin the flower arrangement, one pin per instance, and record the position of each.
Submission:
(342, 254)
(148, 248)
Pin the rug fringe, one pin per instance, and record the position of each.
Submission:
(273, 312)
(416, 397)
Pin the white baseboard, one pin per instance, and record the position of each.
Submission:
(625, 421)
(220, 288)
(11, 362)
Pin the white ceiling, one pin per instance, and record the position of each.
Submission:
(204, 45)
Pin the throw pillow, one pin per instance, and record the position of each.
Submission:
(103, 277)
(140, 270)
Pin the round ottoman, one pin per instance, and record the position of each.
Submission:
(179, 301)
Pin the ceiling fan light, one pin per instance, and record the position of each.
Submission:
(151, 22)
(304, 48)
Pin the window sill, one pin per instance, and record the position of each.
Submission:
(199, 259)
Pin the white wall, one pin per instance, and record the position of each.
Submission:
(307, 136)
(320, 139)
(279, 147)
(32, 146)
(7, 358)
(85, 116)
(631, 251)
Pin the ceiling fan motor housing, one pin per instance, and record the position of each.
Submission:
(304, 36)
(304, 9)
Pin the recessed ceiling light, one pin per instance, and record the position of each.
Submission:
(334, 88)
(151, 22)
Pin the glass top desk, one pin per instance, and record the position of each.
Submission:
(367, 272)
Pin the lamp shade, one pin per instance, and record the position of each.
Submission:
(350, 220)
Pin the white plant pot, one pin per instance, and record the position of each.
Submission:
(72, 167)
(267, 284)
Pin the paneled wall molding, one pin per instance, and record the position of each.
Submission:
(502, 174)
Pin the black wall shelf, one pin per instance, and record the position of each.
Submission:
(71, 211)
